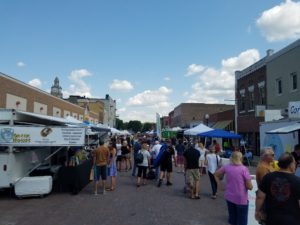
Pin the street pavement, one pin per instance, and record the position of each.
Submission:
(127, 205)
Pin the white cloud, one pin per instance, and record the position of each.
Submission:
(145, 105)
(281, 22)
(78, 85)
(121, 110)
(215, 85)
(121, 85)
(194, 69)
(148, 97)
(138, 115)
(167, 78)
(36, 83)
(21, 64)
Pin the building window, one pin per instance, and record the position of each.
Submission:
(262, 95)
(242, 102)
(279, 86)
(251, 97)
(294, 84)
(251, 100)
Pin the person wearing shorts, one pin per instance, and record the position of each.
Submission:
(166, 164)
(191, 165)
(100, 160)
(101, 172)
(180, 159)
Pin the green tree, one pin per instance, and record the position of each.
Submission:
(119, 124)
(148, 126)
(135, 126)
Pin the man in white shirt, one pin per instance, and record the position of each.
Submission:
(154, 153)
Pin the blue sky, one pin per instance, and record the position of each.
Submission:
(148, 55)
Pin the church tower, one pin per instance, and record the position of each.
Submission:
(56, 90)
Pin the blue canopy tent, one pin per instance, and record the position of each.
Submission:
(218, 133)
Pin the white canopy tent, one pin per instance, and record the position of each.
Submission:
(201, 128)
(125, 132)
(176, 129)
(285, 129)
(115, 131)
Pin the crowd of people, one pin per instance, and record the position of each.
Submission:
(278, 195)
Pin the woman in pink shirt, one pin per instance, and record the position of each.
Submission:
(238, 182)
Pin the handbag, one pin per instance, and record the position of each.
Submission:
(219, 162)
(219, 165)
(92, 174)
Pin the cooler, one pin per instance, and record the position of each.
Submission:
(33, 186)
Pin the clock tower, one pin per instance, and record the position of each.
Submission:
(56, 90)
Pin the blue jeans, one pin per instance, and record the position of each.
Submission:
(213, 183)
(238, 214)
(157, 170)
(134, 169)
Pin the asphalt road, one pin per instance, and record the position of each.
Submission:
(127, 205)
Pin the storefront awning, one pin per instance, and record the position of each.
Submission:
(285, 130)
(222, 124)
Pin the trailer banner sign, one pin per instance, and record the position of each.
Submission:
(294, 109)
(41, 136)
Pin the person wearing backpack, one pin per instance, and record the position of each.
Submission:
(166, 167)
(136, 148)
(142, 166)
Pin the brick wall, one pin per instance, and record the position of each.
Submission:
(17, 89)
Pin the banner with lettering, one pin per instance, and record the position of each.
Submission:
(41, 136)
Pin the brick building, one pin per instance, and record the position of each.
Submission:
(223, 120)
(165, 122)
(104, 107)
(187, 115)
(90, 104)
(270, 83)
(251, 100)
(18, 95)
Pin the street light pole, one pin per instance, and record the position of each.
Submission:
(206, 119)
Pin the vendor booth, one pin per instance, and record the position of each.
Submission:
(34, 146)
(201, 128)
(221, 135)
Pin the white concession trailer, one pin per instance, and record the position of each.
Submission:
(28, 141)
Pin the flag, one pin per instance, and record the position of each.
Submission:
(158, 126)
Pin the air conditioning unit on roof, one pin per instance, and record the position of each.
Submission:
(284, 112)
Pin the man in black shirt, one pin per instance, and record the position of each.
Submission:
(280, 191)
(192, 173)
(296, 155)
(166, 163)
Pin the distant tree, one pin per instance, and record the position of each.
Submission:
(125, 126)
(135, 126)
(119, 124)
(148, 126)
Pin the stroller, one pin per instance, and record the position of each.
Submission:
(151, 174)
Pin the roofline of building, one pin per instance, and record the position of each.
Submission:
(268, 58)
(37, 89)
(195, 103)
(97, 99)
(250, 69)
(284, 50)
